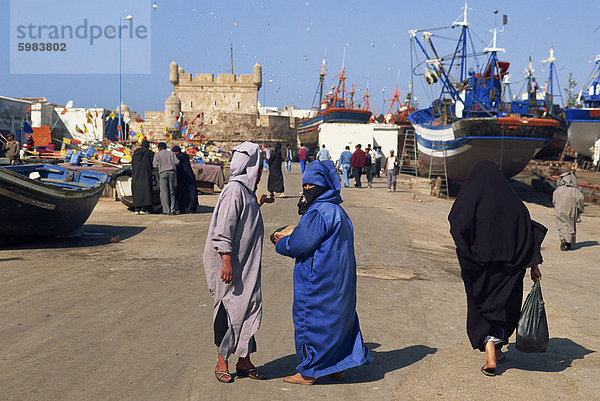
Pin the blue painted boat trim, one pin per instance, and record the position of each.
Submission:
(460, 142)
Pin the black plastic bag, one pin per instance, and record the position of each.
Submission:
(532, 331)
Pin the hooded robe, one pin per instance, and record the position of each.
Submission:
(141, 176)
(327, 331)
(496, 240)
(236, 227)
(275, 182)
(568, 205)
(186, 193)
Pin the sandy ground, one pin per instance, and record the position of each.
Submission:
(87, 319)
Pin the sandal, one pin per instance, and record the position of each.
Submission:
(223, 376)
(295, 379)
(252, 373)
(488, 372)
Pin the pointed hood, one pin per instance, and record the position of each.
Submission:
(324, 174)
(567, 179)
(245, 165)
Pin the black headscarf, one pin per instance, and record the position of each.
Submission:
(496, 241)
(489, 223)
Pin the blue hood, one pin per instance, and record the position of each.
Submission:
(324, 174)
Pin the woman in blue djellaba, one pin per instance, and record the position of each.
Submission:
(327, 332)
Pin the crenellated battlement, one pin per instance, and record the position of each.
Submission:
(242, 80)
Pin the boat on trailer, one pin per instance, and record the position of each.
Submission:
(41, 200)
(469, 121)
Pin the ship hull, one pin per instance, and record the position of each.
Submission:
(339, 115)
(308, 131)
(583, 129)
(509, 142)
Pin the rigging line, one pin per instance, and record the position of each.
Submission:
(562, 101)
(432, 29)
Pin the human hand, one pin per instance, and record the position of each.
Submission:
(536, 274)
(277, 237)
(227, 269)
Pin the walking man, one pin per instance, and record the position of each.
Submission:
(568, 205)
(391, 168)
(288, 158)
(323, 154)
(358, 163)
(166, 162)
(378, 157)
(302, 157)
(345, 159)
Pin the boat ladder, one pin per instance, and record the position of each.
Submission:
(410, 158)
(438, 173)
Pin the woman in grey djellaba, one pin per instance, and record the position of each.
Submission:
(232, 263)
(568, 205)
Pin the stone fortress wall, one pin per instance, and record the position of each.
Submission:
(226, 104)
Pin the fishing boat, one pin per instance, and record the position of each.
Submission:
(545, 99)
(469, 121)
(583, 122)
(332, 108)
(122, 179)
(42, 200)
(398, 113)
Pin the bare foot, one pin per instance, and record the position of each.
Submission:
(300, 379)
(338, 375)
(490, 356)
(244, 364)
(221, 363)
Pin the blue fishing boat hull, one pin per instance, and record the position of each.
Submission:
(346, 116)
(56, 204)
(509, 142)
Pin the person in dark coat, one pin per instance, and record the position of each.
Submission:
(186, 195)
(496, 241)
(141, 178)
(357, 163)
(275, 182)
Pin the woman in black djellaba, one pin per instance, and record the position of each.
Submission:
(187, 192)
(496, 241)
(141, 178)
(275, 182)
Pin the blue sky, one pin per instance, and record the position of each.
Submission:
(290, 38)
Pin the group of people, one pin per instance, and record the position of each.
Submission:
(496, 242)
(368, 162)
(327, 331)
(176, 179)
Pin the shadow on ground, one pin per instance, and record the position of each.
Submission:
(204, 209)
(85, 236)
(585, 244)
(559, 356)
(383, 362)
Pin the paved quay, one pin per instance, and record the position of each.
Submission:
(123, 312)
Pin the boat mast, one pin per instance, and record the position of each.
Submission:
(493, 61)
(321, 81)
(463, 42)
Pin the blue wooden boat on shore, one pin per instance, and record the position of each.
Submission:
(469, 121)
(41, 200)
